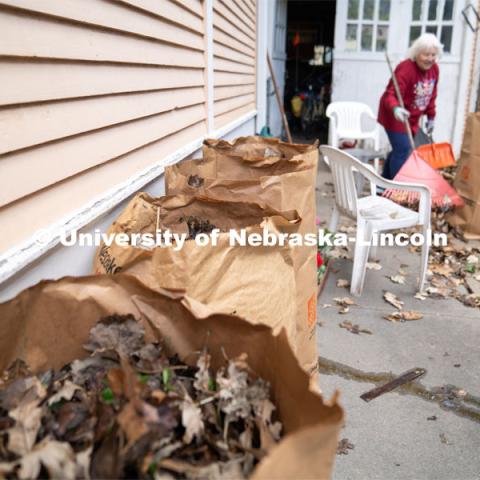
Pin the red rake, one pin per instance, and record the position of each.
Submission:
(416, 170)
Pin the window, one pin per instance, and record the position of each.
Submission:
(433, 16)
(367, 25)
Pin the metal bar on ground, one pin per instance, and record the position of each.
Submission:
(395, 383)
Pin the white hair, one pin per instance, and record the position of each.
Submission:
(424, 42)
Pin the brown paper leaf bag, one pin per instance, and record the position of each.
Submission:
(46, 326)
(272, 173)
(229, 278)
(467, 180)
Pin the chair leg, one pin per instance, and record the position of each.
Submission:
(373, 250)
(424, 264)
(362, 247)
(334, 219)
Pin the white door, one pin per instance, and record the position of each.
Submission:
(365, 29)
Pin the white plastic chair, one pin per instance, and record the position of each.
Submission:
(346, 123)
(372, 213)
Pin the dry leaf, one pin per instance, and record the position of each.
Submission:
(444, 270)
(472, 259)
(373, 266)
(436, 292)
(341, 282)
(202, 376)
(344, 310)
(65, 393)
(397, 279)
(339, 252)
(353, 328)
(82, 460)
(404, 316)
(57, 457)
(122, 334)
(344, 446)
(420, 296)
(22, 391)
(27, 416)
(344, 301)
(392, 299)
(191, 420)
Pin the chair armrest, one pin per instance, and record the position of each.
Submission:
(425, 203)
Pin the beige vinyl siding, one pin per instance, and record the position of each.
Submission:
(20, 219)
(92, 93)
(234, 59)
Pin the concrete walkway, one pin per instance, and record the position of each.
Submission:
(415, 432)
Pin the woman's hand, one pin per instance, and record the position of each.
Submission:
(401, 114)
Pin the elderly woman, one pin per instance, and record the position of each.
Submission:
(417, 78)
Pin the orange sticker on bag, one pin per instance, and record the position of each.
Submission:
(312, 311)
(465, 173)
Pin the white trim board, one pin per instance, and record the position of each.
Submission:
(20, 256)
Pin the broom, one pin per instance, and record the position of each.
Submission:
(415, 170)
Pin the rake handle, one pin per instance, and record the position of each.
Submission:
(400, 101)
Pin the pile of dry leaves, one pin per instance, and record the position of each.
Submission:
(197, 225)
(130, 411)
(454, 269)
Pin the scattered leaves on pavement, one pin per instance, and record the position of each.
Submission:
(404, 316)
(344, 304)
(344, 445)
(392, 299)
(420, 296)
(343, 301)
(354, 328)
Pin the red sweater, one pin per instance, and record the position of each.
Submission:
(419, 91)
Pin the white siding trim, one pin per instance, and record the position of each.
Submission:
(20, 256)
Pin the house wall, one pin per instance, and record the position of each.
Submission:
(61, 261)
(97, 97)
(363, 76)
(234, 59)
(92, 92)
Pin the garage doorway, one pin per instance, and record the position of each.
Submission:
(308, 66)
